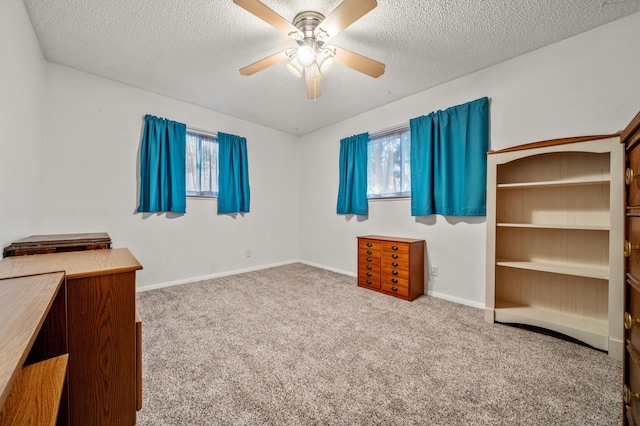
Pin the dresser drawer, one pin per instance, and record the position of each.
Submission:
(395, 289)
(367, 252)
(369, 282)
(395, 247)
(369, 244)
(368, 260)
(633, 381)
(388, 262)
(633, 247)
(395, 273)
(369, 275)
(388, 256)
(367, 270)
(633, 190)
(632, 312)
(365, 264)
(394, 281)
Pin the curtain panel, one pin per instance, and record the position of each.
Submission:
(233, 174)
(449, 161)
(162, 166)
(352, 188)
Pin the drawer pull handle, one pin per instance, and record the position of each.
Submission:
(394, 247)
(368, 259)
(394, 264)
(629, 176)
(369, 252)
(394, 288)
(394, 272)
(629, 248)
(393, 280)
(629, 396)
(395, 256)
(369, 282)
(629, 321)
(369, 274)
(369, 245)
(368, 266)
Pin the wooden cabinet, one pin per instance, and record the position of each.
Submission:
(41, 244)
(393, 266)
(104, 354)
(554, 238)
(33, 350)
(631, 317)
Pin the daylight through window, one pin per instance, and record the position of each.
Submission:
(388, 164)
(202, 164)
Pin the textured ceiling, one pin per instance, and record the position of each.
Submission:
(192, 49)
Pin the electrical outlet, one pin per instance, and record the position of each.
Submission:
(434, 271)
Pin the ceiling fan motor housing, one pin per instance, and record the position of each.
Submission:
(307, 22)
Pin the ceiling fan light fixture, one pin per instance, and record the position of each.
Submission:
(295, 68)
(306, 53)
(325, 61)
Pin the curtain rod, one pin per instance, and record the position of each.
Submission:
(391, 129)
(202, 132)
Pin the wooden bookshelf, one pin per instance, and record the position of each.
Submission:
(554, 238)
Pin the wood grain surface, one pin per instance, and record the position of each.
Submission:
(35, 398)
(24, 304)
(75, 264)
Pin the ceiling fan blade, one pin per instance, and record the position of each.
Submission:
(313, 88)
(342, 16)
(358, 62)
(265, 63)
(263, 12)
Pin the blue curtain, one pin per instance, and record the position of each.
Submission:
(233, 174)
(449, 161)
(162, 166)
(352, 189)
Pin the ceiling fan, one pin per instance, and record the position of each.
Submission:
(311, 30)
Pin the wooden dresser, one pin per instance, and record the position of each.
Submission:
(33, 350)
(103, 344)
(630, 137)
(393, 266)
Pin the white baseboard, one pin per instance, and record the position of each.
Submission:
(211, 276)
(443, 296)
(454, 299)
(457, 300)
(328, 268)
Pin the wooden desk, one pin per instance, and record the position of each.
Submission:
(103, 349)
(33, 360)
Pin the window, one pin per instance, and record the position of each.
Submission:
(388, 167)
(202, 164)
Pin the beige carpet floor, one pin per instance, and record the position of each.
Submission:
(297, 345)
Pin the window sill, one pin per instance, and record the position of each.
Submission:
(203, 197)
(398, 198)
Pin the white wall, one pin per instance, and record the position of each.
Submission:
(584, 85)
(69, 160)
(94, 128)
(22, 109)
